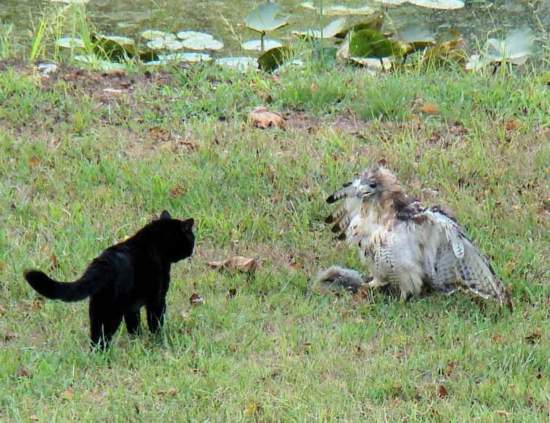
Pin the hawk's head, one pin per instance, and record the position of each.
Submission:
(376, 181)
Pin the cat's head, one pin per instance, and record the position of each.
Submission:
(177, 236)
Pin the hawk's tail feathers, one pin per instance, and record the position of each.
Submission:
(337, 278)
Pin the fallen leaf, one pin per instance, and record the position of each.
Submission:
(9, 336)
(23, 372)
(252, 408)
(449, 368)
(497, 339)
(172, 392)
(113, 91)
(53, 262)
(177, 191)
(429, 108)
(239, 263)
(68, 394)
(503, 413)
(196, 299)
(511, 125)
(534, 337)
(442, 391)
(260, 117)
(34, 161)
(159, 134)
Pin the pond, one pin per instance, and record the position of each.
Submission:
(225, 19)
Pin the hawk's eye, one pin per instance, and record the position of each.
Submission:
(372, 185)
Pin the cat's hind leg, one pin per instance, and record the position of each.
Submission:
(155, 315)
(103, 324)
(132, 320)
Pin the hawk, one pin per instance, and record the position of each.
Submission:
(407, 246)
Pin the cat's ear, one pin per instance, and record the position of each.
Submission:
(165, 215)
(187, 225)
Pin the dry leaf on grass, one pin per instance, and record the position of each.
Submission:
(534, 337)
(23, 372)
(238, 263)
(260, 117)
(429, 108)
(442, 391)
(196, 299)
(68, 394)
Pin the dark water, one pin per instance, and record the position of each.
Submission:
(224, 19)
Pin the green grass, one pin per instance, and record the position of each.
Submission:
(79, 173)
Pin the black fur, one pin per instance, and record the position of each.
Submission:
(125, 277)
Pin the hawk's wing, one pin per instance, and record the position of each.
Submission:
(451, 259)
(350, 207)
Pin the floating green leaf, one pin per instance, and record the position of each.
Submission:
(194, 40)
(451, 51)
(185, 57)
(184, 35)
(70, 1)
(70, 42)
(372, 43)
(432, 4)
(264, 18)
(391, 2)
(153, 34)
(97, 63)
(165, 44)
(416, 38)
(272, 59)
(239, 63)
(114, 46)
(330, 31)
(439, 4)
(374, 21)
(257, 44)
(514, 49)
(340, 10)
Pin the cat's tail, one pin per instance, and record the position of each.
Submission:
(337, 278)
(78, 290)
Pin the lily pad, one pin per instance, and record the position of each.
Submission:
(272, 59)
(257, 44)
(184, 35)
(97, 63)
(202, 43)
(114, 46)
(372, 22)
(165, 44)
(239, 63)
(340, 10)
(391, 2)
(70, 42)
(330, 31)
(186, 57)
(439, 4)
(153, 34)
(451, 51)
(515, 48)
(264, 18)
(416, 38)
(372, 43)
(70, 1)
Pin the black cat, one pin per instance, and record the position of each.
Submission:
(125, 277)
